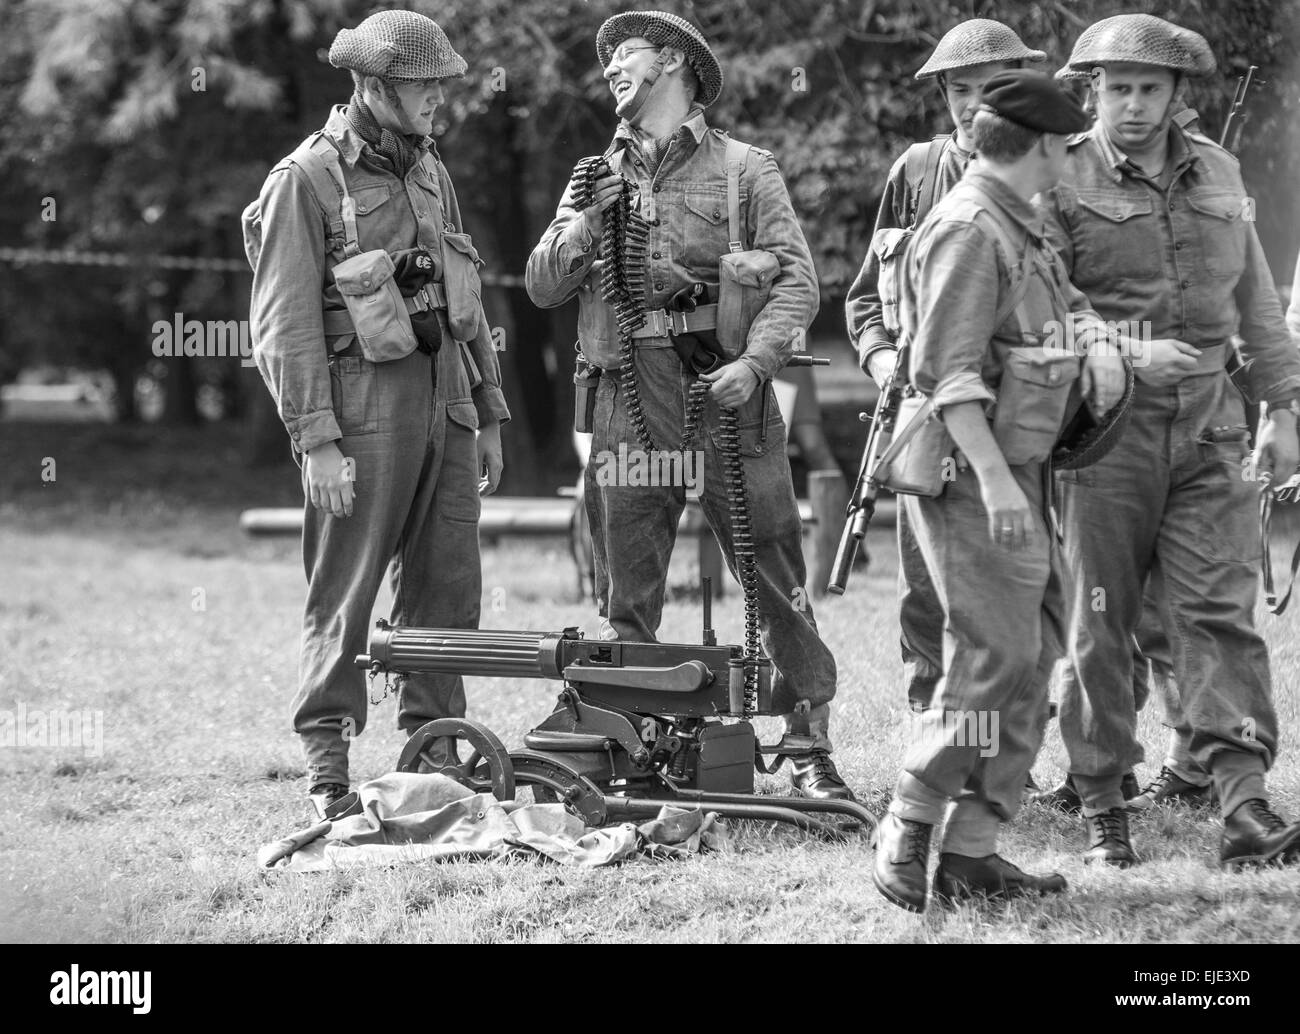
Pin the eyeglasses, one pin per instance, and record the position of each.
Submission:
(623, 52)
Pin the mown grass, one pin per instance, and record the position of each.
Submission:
(155, 840)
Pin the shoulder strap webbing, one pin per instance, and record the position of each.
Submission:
(318, 159)
(922, 172)
(1020, 262)
(737, 155)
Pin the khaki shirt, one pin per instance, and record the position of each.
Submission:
(685, 202)
(294, 283)
(960, 279)
(863, 312)
(1185, 258)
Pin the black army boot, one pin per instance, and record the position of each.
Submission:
(1108, 839)
(814, 775)
(1256, 835)
(958, 878)
(1170, 788)
(899, 867)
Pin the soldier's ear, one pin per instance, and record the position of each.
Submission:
(676, 59)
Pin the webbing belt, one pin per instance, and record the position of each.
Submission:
(662, 322)
(430, 296)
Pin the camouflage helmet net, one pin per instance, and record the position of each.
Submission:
(664, 30)
(1142, 39)
(397, 46)
(978, 41)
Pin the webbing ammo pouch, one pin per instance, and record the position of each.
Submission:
(745, 277)
(460, 264)
(378, 311)
(1035, 388)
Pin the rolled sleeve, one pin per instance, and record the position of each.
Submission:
(1269, 347)
(773, 227)
(956, 290)
(285, 319)
(562, 258)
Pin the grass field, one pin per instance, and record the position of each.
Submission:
(155, 839)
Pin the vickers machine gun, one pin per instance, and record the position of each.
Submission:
(636, 726)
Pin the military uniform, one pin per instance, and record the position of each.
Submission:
(974, 42)
(408, 425)
(1002, 610)
(681, 185)
(1177, 251)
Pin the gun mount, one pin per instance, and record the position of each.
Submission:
(636, 725)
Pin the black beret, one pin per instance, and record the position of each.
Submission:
(1032, 99)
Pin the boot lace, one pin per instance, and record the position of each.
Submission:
(1109, 825)
(1267, 815)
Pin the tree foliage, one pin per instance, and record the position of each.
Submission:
(106, 116)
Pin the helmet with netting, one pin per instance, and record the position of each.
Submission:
(978, 41)
(664, 30)
(1142, 39)
(397, 46)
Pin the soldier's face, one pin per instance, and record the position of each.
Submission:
(961, 89)
(1132, 102)
(419, 102)
(627, 69)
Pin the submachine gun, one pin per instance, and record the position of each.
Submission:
(637, 725)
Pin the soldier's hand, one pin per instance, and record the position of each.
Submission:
(732, 385)
(330, 479)
(604, 194)
(1011, 521)
(1277, 450)
(489, 457)
(1102, 382)
(1166, 361)
(880, 364)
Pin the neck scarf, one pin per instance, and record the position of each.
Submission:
(393, 152)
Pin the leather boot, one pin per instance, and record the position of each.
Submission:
(323, 797)
(1256, 835)
(814, 775)
(1170, 788)
(959, 878)
(899, 866)
(1108, 839)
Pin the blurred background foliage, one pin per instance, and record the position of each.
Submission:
(103, 114)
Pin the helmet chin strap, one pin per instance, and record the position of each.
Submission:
(648, 83)
(395, 102)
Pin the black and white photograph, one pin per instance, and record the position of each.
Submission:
(783, 472)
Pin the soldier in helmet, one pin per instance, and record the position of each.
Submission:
(673, 379)
(1154, 224)
(369, 334)
(967, 56)
(986, 287)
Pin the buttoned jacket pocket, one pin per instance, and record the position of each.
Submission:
(1117, 231)
(702, 238)
(1219, 217)
(1031, 403)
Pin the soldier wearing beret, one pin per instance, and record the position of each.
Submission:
(396, 425)
(1155, 227)
(986, 287)
(663, 76)
(967, 56)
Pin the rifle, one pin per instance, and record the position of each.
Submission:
(1237, 113)
(862, 500)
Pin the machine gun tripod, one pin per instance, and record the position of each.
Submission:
(637, 725)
